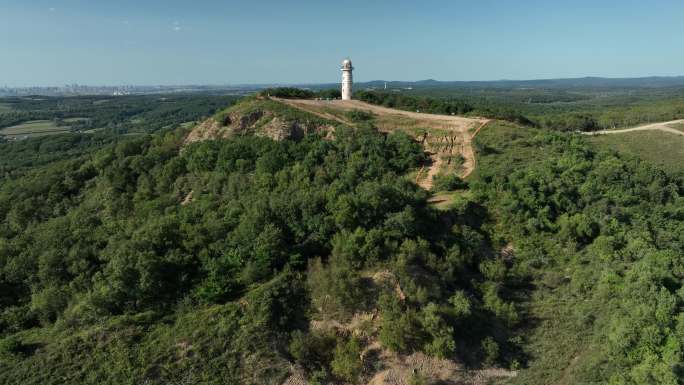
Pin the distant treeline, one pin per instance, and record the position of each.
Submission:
(448, 106)
(298, 93)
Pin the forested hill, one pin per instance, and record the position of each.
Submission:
(248, 260)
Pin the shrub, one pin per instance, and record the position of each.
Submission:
(16, 318)
(288, 93)
(490, 351)
(400, 329)
(460, 303)
(448, 182)
(346, 363)
(49, 303)
(502, 309)
(336, 288)
(441, 342)
(358, 116)
(10, 346)
(331, 93)
(313, 351)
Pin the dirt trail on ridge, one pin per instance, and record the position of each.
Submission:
(662, 126)
(388, 119)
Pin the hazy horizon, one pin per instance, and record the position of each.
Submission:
(333, 82)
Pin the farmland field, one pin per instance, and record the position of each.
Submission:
(662, 148)
(34, 128)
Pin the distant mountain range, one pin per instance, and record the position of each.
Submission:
(586, 82)
(570, 83)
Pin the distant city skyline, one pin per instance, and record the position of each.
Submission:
(211, 42)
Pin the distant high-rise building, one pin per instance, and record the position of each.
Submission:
(347, 79)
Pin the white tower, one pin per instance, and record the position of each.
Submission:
(347, 79)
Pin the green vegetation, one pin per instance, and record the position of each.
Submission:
(34, 128)
(298, 93)
(136, 259)
(93, 122)
(678, 126)
(576, 108)
(346, 363)
(658, 147)
(288, 93)
(600, 235)
(448, 182)
(446, 106)
(18, 156)
(99, 248)
(257, 109)
(358, 116)
(116, 114)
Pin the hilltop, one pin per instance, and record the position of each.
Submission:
(446, 139)
(290, 241)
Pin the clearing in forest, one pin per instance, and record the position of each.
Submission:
(447, 139)
(34, 128)
(665, 149)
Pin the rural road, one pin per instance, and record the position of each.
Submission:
(662, 126)
(459, 125)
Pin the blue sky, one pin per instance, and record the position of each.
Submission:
(97, 42)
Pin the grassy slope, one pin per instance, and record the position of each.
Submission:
(196, 345)
(278, 109)
(661, 148)
(557, 340)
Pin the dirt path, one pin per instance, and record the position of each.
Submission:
(311, 108)
(662, 126)
(468, 152)
(459, 126)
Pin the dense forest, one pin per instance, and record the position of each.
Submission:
(275, 233)
(602, 237)
(148, 260)
(447, 106)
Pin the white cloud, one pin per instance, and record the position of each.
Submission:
(52, 9)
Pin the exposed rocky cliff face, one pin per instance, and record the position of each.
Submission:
(259, 120)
